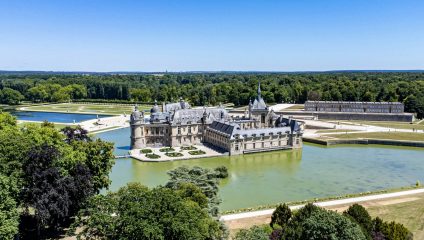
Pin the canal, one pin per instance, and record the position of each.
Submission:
(269, 178)
(55, 117)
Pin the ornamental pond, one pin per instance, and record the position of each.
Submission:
(55, 117)
(283, 176)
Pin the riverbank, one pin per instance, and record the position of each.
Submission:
(249, 219)
(365, 141)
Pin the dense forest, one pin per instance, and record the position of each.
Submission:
(214, 88)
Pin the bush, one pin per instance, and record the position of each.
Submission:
(312, 222)
(152, 156)
(174, 154)
(360, 215)
(197, 152)
(254, 233)
(167, 149)
(146, 150)
(221, 172)
(391, 230)
(281, 216)
(136, 212)
(188, 148)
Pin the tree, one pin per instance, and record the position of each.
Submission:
(10, 96)
(78, 91)
(410, 103)
(312, 222)
(136, 212)
(75, 134)
(37, 94)
(97, 156)
(62, 95)
(390, 230)
(54, 196)
(221, 172)
(9, 217)
(253, 233)
(7, 120)
(360, 215)
(54, 177)
(281, 216)
(325, 224)
(207, 180)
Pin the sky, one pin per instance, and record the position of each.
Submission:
(211, 35)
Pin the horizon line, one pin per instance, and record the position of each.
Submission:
(207, 71)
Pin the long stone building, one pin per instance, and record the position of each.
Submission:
(178, 124)
(364, 111)
(357, 107)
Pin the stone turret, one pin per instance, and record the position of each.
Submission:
(137, 128)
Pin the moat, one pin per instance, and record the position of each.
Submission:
(269, 178)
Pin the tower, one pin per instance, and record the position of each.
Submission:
(137, 128)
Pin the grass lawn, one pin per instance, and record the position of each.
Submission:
(399, 125)
(87, 108)
(383, 135)
(335, 130)
(295, 107)
(410, 213)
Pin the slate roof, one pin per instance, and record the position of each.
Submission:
(259, 104)
(171, 107)
(233, 130)
(186, 116)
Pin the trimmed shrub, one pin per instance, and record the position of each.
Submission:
(174, 154)
(146, 150)
(167, 149)
(188, 148)
(152, 156)
(197, 152)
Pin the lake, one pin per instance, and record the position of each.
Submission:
(273, 177)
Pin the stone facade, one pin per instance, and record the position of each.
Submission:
(356, 107)
(177, 124)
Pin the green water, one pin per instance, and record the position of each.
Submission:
(269, 178)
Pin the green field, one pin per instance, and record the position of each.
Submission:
(335, 130)
(382, 135)
(113, 109)
(296, 107)
(409, 213)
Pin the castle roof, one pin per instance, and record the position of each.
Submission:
(233, 130)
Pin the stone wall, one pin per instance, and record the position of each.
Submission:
(365, 142)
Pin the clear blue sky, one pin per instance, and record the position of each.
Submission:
(178, 35)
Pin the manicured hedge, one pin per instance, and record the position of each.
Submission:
(167, 149)
(146, 150)
(197, 152)
(188, 148)
(174, 154)
(152, 156)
